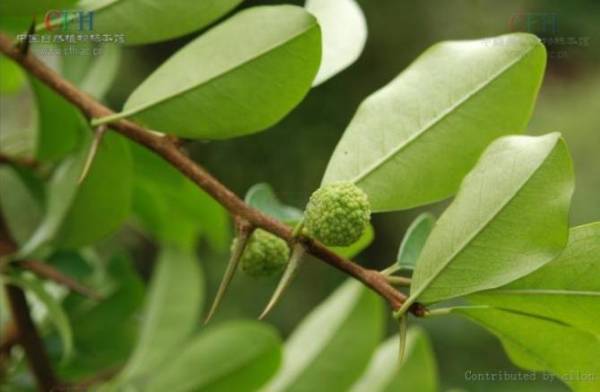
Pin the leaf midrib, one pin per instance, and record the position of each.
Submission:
(566, 292)
(443, 114)
(483, 226)
(277, 45)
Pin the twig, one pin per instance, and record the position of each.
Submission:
(25, 162)
(9, 338)
(169, 151)
(29, 339)
(46, 271)
(27, 334)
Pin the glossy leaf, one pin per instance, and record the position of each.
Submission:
(316, 356)
(412, 142)
(262, 197)
(59, 123)
(565, 289)
(245, 86)
(21, 209)
(418, 372)
(172, 311)
(77, 215)
(509, 218)
(154, 20)
(414, 241)
(236, 356)
(55, 312)
(344, 30)
(541, 344)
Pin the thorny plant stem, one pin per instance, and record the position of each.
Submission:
(168, 149)
(26, 334)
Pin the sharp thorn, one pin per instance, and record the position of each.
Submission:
(23, 46)
(403, 327)
(92, 153)
(286, 279)
(232, 265)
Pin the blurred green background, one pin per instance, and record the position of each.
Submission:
(292, 156)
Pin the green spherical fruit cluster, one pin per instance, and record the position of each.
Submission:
(265, 254)
(337, 214)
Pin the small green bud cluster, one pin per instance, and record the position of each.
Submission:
(265, 254)
(337, 214)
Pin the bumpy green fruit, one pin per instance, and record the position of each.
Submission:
(337, 214)
(265, 254)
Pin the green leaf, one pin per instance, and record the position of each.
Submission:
(236, 356)
(412, 142)
(344, 30)
(332, 346)
(172, 311)
(238, 78)
(59, 123)
(13, 78)
(509, 218)
(418, 372)
(21, 210)
(146, 21)
(78, 215)
(565, 289)
(414, 241)
(97, 349)
(55, 311)
(18, 122)
(59, 197)
(540, 344)
(103, 199)
(262, 197)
